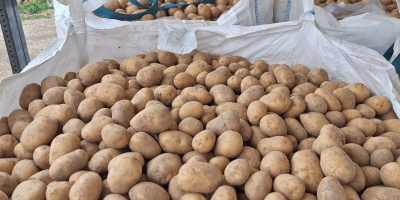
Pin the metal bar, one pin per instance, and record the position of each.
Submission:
(13, 35)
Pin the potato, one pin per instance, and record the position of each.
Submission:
(163, 168)
(73, 98)
(204, 141)
(41, 157)
(351, 114)
(297, 107)
(258, 186)
(7, 164)
(332, 102)
(112, 5)
(240, 109)
(190, 9)
(248, 82)
(313, 122)
(380, 157)
(4, 129)
(290, 186)
(114, 197)
(29, 94)
(234, 82)
(16, 116)
(180, 100)
(366, 111)
(336, 118)
(131, 66)
(30, 189)
(115, 136)
(183, 80)
(141, 98)
(277, 102)
(380, 126)
(92, 73)
(255, 111)
(256, 136)
(58, 190)
(90, 147)
(150, 76)
(305, 165)
(331, 189)
(273, 125)
(91, 132)
(372, 176)
(144, 144)
(380, 192)
(392, 125)
(295, 129)
(353, 135)
(197, 67)
(201, 78)
(252, 156)
(317, 76)
(75, 84)
(346, 98)
(228, 120)
(299, 68)
(175, 142)
(360, 91)
(222, 94)
(250, 95)
(21, 153)
(376, 143)
(358, 184)
(107, 93)
(141, 191)
(23, 170)
(218, 76)
(316, 103)
(275, 163)
(336, 163)
(237, 172)
(278, 88)
(190, 126)
(34, 107)
(390, 174)
(100, 160)
(42, 176)
(275, 196)
(224, 192)
(389, 115)
(51, 81)
(191, 109)
(7, 145)
(193, 196)
(365, 125)
(299, 79)
(174, 190)
(154, 119)
(228, 144)
(118, 79)
(329, 86)
(304, 88)
(120, 181)
(88, 186)
(267, 79)
(88, 107)
(74, 177)
(330, 136)
(202, 95)
(33, 136)
(284, 75)
(205, 179)
(68, 164)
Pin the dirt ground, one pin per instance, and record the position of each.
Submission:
(39, 33)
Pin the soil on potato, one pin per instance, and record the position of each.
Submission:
(39, 33)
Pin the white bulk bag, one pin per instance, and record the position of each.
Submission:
(376, 29)
(289, 42)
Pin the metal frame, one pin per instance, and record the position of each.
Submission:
(13, 35)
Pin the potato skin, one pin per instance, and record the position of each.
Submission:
(344, 169)
(142, 191)
(346, 98)
(204, 141)
(277, 102)
(107, 93)
(30, 189)
(68, 164)
(33, 136)
(100, 160)
(390, 174)
(163, 168)
(120, 181)
(51, 81)
(29, 94)
(273, 125)
(154, 119)
(331, 189)
(175, 142)
(317, 76)
(360, 91)
(88, 186)
(305, 165)
(297, 107)
(290, 186)
(63, 144)
(237, 172)
(144, 144)
(275, 163)
(284, 75)
(91, 132)
(205, 179)
(276, 143)
(258, 186)
(357, 153)
(7, 183)
(255, 111)
(228, 144)
(380, 192)
(313, 122)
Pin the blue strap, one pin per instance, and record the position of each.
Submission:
(256, 12)
(288, 7)
(153, 9)
(396, 62)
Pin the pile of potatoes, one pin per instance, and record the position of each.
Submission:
(162, 126)
(387, 5)
(201, 12)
